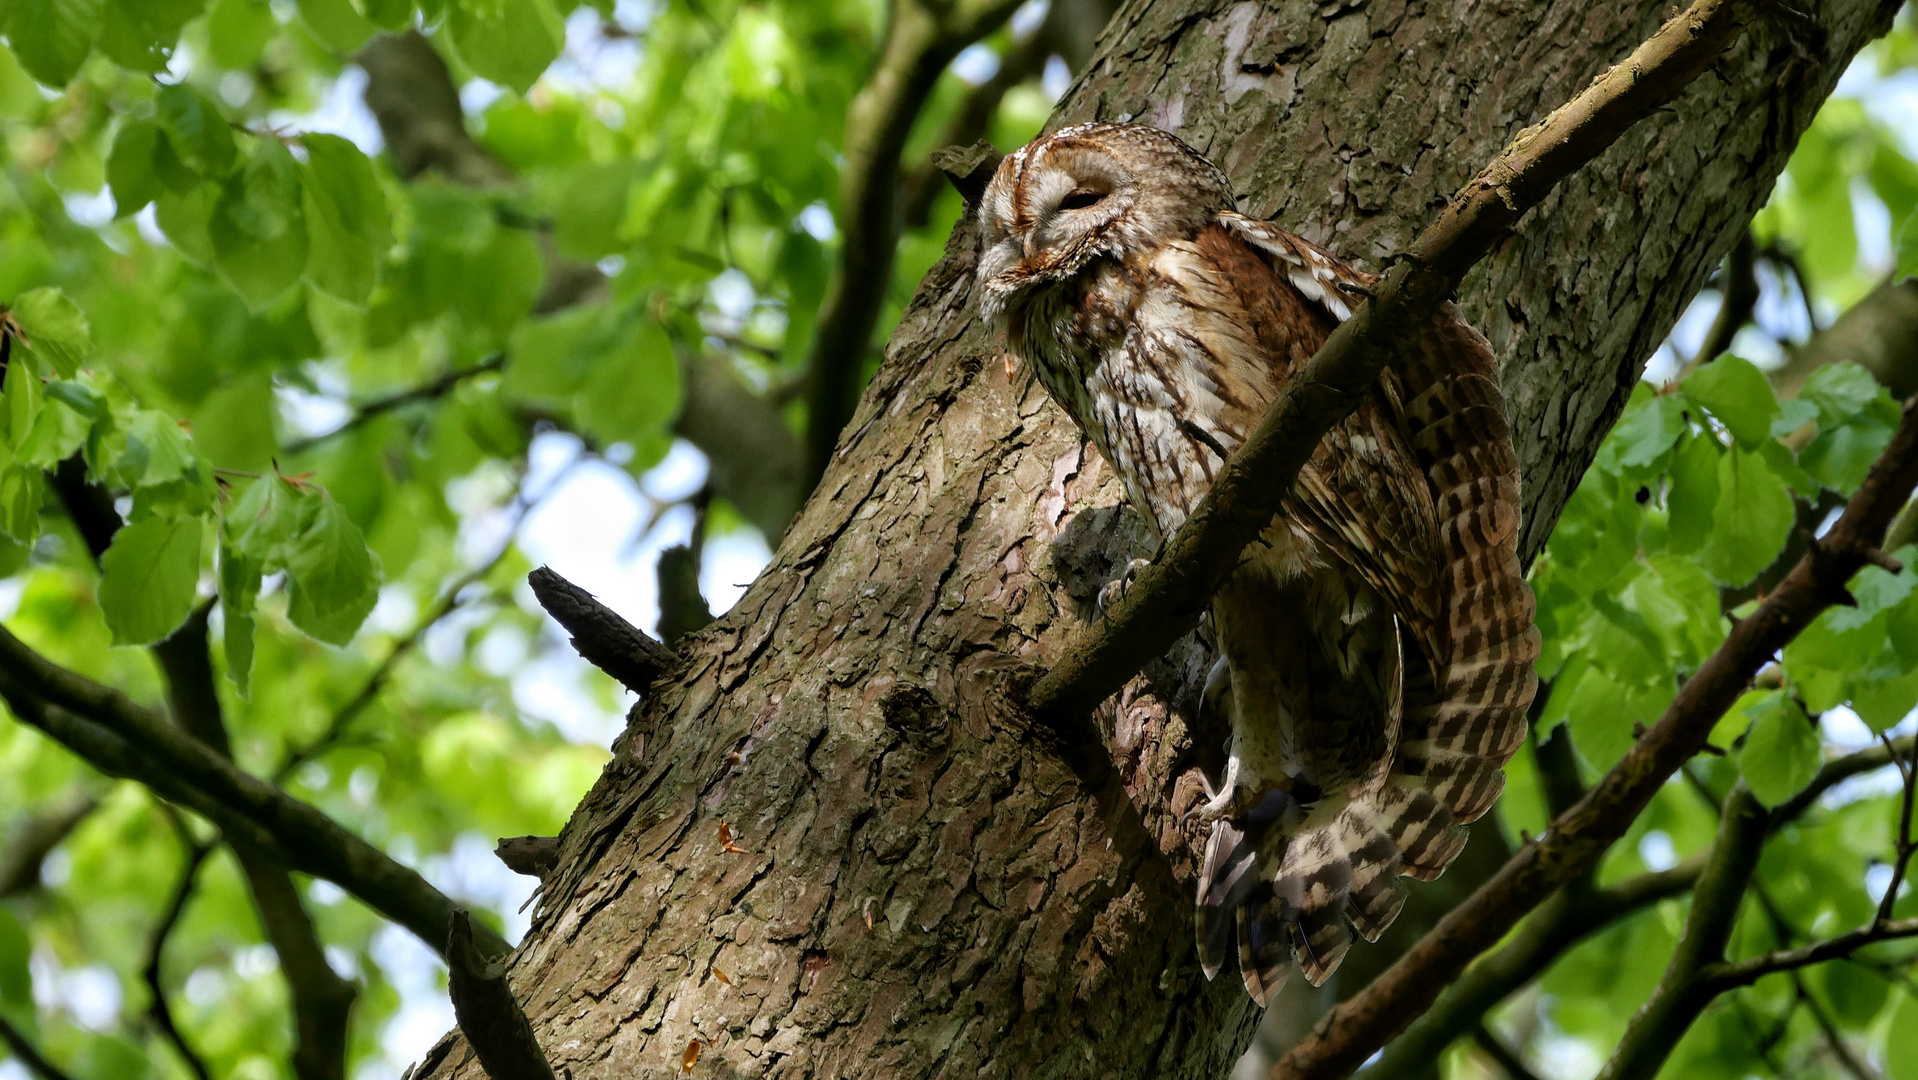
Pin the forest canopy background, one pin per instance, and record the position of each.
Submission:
(355, 375)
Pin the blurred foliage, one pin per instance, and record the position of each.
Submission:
(203, 280)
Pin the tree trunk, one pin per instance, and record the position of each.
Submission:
(921, 885)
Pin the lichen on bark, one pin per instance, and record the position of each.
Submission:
(910, 881)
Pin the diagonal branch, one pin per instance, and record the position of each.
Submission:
(30, 1056)
(489, 1017)
(123, 738)
(605, 640)
(1581, 835)
(1166, 599)
(1569, 917)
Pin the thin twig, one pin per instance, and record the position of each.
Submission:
(1834, 1038)
(372, 410)
(125, 739)
(158, 1009)
(1504, 1056)
(29, 1055)
(451, 598)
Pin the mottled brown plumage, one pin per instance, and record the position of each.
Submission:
(1377, 648)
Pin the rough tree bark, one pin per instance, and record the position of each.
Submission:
(827, 845)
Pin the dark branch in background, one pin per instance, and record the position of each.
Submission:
(1834, 1039)
(1069, 32)
(605, 640)
(1505, 1057)
(491, 1020)
(922, 37)
(37, 835)
(682, 608)
(1580, 836)
(429, 391)
(411, 94)
(157, 1009)
(1738, 285)
(322, 1000)
(1165, 600)
(29, 1055)
(121, 738)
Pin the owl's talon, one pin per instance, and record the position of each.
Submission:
(1219, 803)
(1114, 591)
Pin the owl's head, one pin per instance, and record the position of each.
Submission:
(1062, 202)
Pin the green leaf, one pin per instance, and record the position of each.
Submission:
(239, 591)
(1841, 391)
(336, 23)
(590, 204)
(1841, 457)
(148, 577)
(501, 283)
(389, 14)
(1792, 415)
(51, 38)
(158, 451)
(1907, 264)
(140, 34)
(1901, 1053)
(258, 230)
(452, 216)
(1781, 753)
(1753, 518)
(346, 219)
(25, 397)
(54, 328)
(332, 579)
(511, 44)
(57, 434)
(199, 134)
(183, 217)
(1884, 695)
(22, 489)
(130, 172)
(262, 524)
(237, 32)
(1736, 394)
(16, 978)
(634, 390)
(1692, 500)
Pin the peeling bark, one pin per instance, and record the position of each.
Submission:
(910, 882)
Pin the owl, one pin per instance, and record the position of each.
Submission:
(1376, 647)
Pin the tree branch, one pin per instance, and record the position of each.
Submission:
(29, 1055)
(607, 641)
(922, 37)
(122, 738)
(322, 1001)
(1165, 600)
(489, 1017)
(411, 94)
(1580, 836)
(1655, 1030)
(1504, 1056)
(1739, 287)
(1879, 333)
(373, 410)
(157, 1009)
(39, 834)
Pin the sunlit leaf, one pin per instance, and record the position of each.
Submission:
(257, 228)
(1737, 395)
(199, 133)
(510, 42)
(346, 219)
(54, 328)
(51, 38)
(332, 579)
(1753, 518)
(148, 577)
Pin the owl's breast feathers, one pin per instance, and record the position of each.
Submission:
(1172, 355)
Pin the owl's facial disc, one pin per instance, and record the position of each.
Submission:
(1047, 215)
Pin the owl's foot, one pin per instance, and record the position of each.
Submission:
(1220, 803)
(1113, 591)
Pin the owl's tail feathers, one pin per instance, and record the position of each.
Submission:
(1296, 887)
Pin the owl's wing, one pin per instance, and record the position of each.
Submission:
(1363, 495)
(1462, 724)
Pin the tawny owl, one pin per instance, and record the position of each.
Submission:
(1379, 642)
